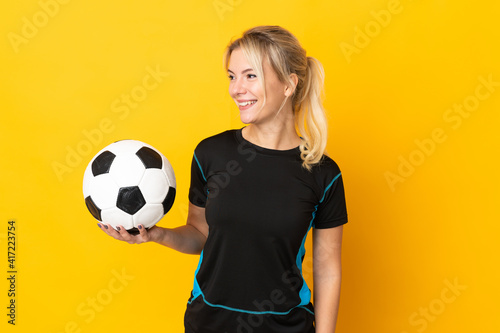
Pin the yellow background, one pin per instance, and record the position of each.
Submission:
(408, 239)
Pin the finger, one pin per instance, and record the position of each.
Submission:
(143, 233)
(104, 227)
(125, 235)
(108, 229)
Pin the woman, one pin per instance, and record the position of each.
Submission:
(254, 195)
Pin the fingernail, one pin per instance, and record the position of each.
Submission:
(140, 226)
(99, 225)
(105, 226)
(118, 228)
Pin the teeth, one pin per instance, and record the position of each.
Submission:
(247, 103)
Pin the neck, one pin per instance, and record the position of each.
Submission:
(275, 135)
(276, 132)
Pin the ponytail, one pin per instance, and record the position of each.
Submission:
(310, 118)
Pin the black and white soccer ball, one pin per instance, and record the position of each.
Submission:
(129, 183)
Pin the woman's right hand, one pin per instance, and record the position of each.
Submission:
(151, 235)
(189, 238)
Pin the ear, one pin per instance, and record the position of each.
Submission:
(290, 88)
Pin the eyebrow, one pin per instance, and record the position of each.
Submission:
(246, 70)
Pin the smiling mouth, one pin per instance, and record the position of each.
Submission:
(247, 103)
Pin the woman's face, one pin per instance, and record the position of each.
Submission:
(245, 89)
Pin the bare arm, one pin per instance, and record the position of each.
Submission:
(327, 271)
(189, 238)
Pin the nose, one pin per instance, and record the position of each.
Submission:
(237, 87)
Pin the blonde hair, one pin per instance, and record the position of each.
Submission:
(286, 56)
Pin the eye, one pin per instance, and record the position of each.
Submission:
(251, 76)
(230, 77)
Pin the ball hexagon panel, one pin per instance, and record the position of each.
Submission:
(116, 216)
(125, 146)
(104, 191)
(149, 215)
(127, 170)
(169, 171)
(154, 185)
(87, 180)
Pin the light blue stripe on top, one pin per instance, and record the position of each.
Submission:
(328, 187)
(305, 292)
(196, 287)
(247, 311)
(199, 166)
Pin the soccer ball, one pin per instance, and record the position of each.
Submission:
(129, 183)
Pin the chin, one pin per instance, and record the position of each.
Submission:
(252, 115)
(246, 118)
(246, 121)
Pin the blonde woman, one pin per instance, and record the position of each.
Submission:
(256, 192)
